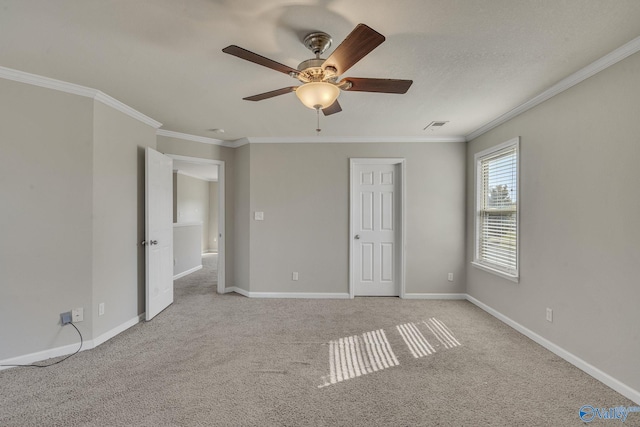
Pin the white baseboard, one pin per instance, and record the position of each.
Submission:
(187, 272)
(433, 296)
(307, 295)
(596, 373)
(237, 290)
(117, 330)
(27, 359)
(601, 376)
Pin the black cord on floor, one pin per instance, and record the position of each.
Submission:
(59, 361)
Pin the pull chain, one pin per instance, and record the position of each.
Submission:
(318, 121)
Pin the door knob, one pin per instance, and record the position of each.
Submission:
(357, 237)
(153, 242)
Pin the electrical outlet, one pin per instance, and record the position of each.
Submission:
(100, 309)
(65, 317)
(77, 315)
(549, 315)
(294, 275)
(450, 277)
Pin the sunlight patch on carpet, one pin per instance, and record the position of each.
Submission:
(442, 333)
(358, 355)
(415, 341)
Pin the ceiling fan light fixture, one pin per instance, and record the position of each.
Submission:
(317, 95)
(320, 78)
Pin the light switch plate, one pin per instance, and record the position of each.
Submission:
(258, 216)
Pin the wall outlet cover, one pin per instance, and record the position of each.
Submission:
(65, 317)
(77, 314)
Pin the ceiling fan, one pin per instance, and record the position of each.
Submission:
(321, 86)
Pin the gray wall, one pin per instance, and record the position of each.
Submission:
(181, 147)
(72, 182)
(213, 217)
(187, 254)
(175, 196)
(243, 214)
(303, 190)
(196, 200)
(45, 249)
(118, 216)
(193, 205)
(580, 228)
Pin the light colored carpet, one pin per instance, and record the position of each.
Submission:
(212, 360)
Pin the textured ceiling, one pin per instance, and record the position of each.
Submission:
(471, 60)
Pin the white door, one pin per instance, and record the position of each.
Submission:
(376, 229)
(159, 232)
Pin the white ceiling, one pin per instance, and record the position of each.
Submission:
(471, 60)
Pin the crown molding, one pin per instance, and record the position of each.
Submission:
(46, 82)
(595, 67)
(308, 140)
(195, 138)
(352, 139)
(240, 142)
(124, 108)
(74, 89)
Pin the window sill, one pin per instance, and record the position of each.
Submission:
(507, 276)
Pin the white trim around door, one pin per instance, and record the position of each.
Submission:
(221, 210)
(400, 237)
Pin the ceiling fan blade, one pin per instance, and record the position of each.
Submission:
(362, 84)
(356, 46)
(332, 109)
(258, 59)
(271, 94)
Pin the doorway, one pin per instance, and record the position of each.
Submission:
(212, 171)
(376, 211)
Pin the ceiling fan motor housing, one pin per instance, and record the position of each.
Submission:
(311, 71)
(317, 42)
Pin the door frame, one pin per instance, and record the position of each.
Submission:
(221, 210)
(400, 247)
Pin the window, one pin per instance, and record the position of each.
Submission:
(496, 231)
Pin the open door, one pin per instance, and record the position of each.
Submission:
(158, 232)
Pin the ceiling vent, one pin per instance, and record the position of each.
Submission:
(436, 125)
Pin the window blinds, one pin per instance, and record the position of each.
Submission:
(497, 208)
